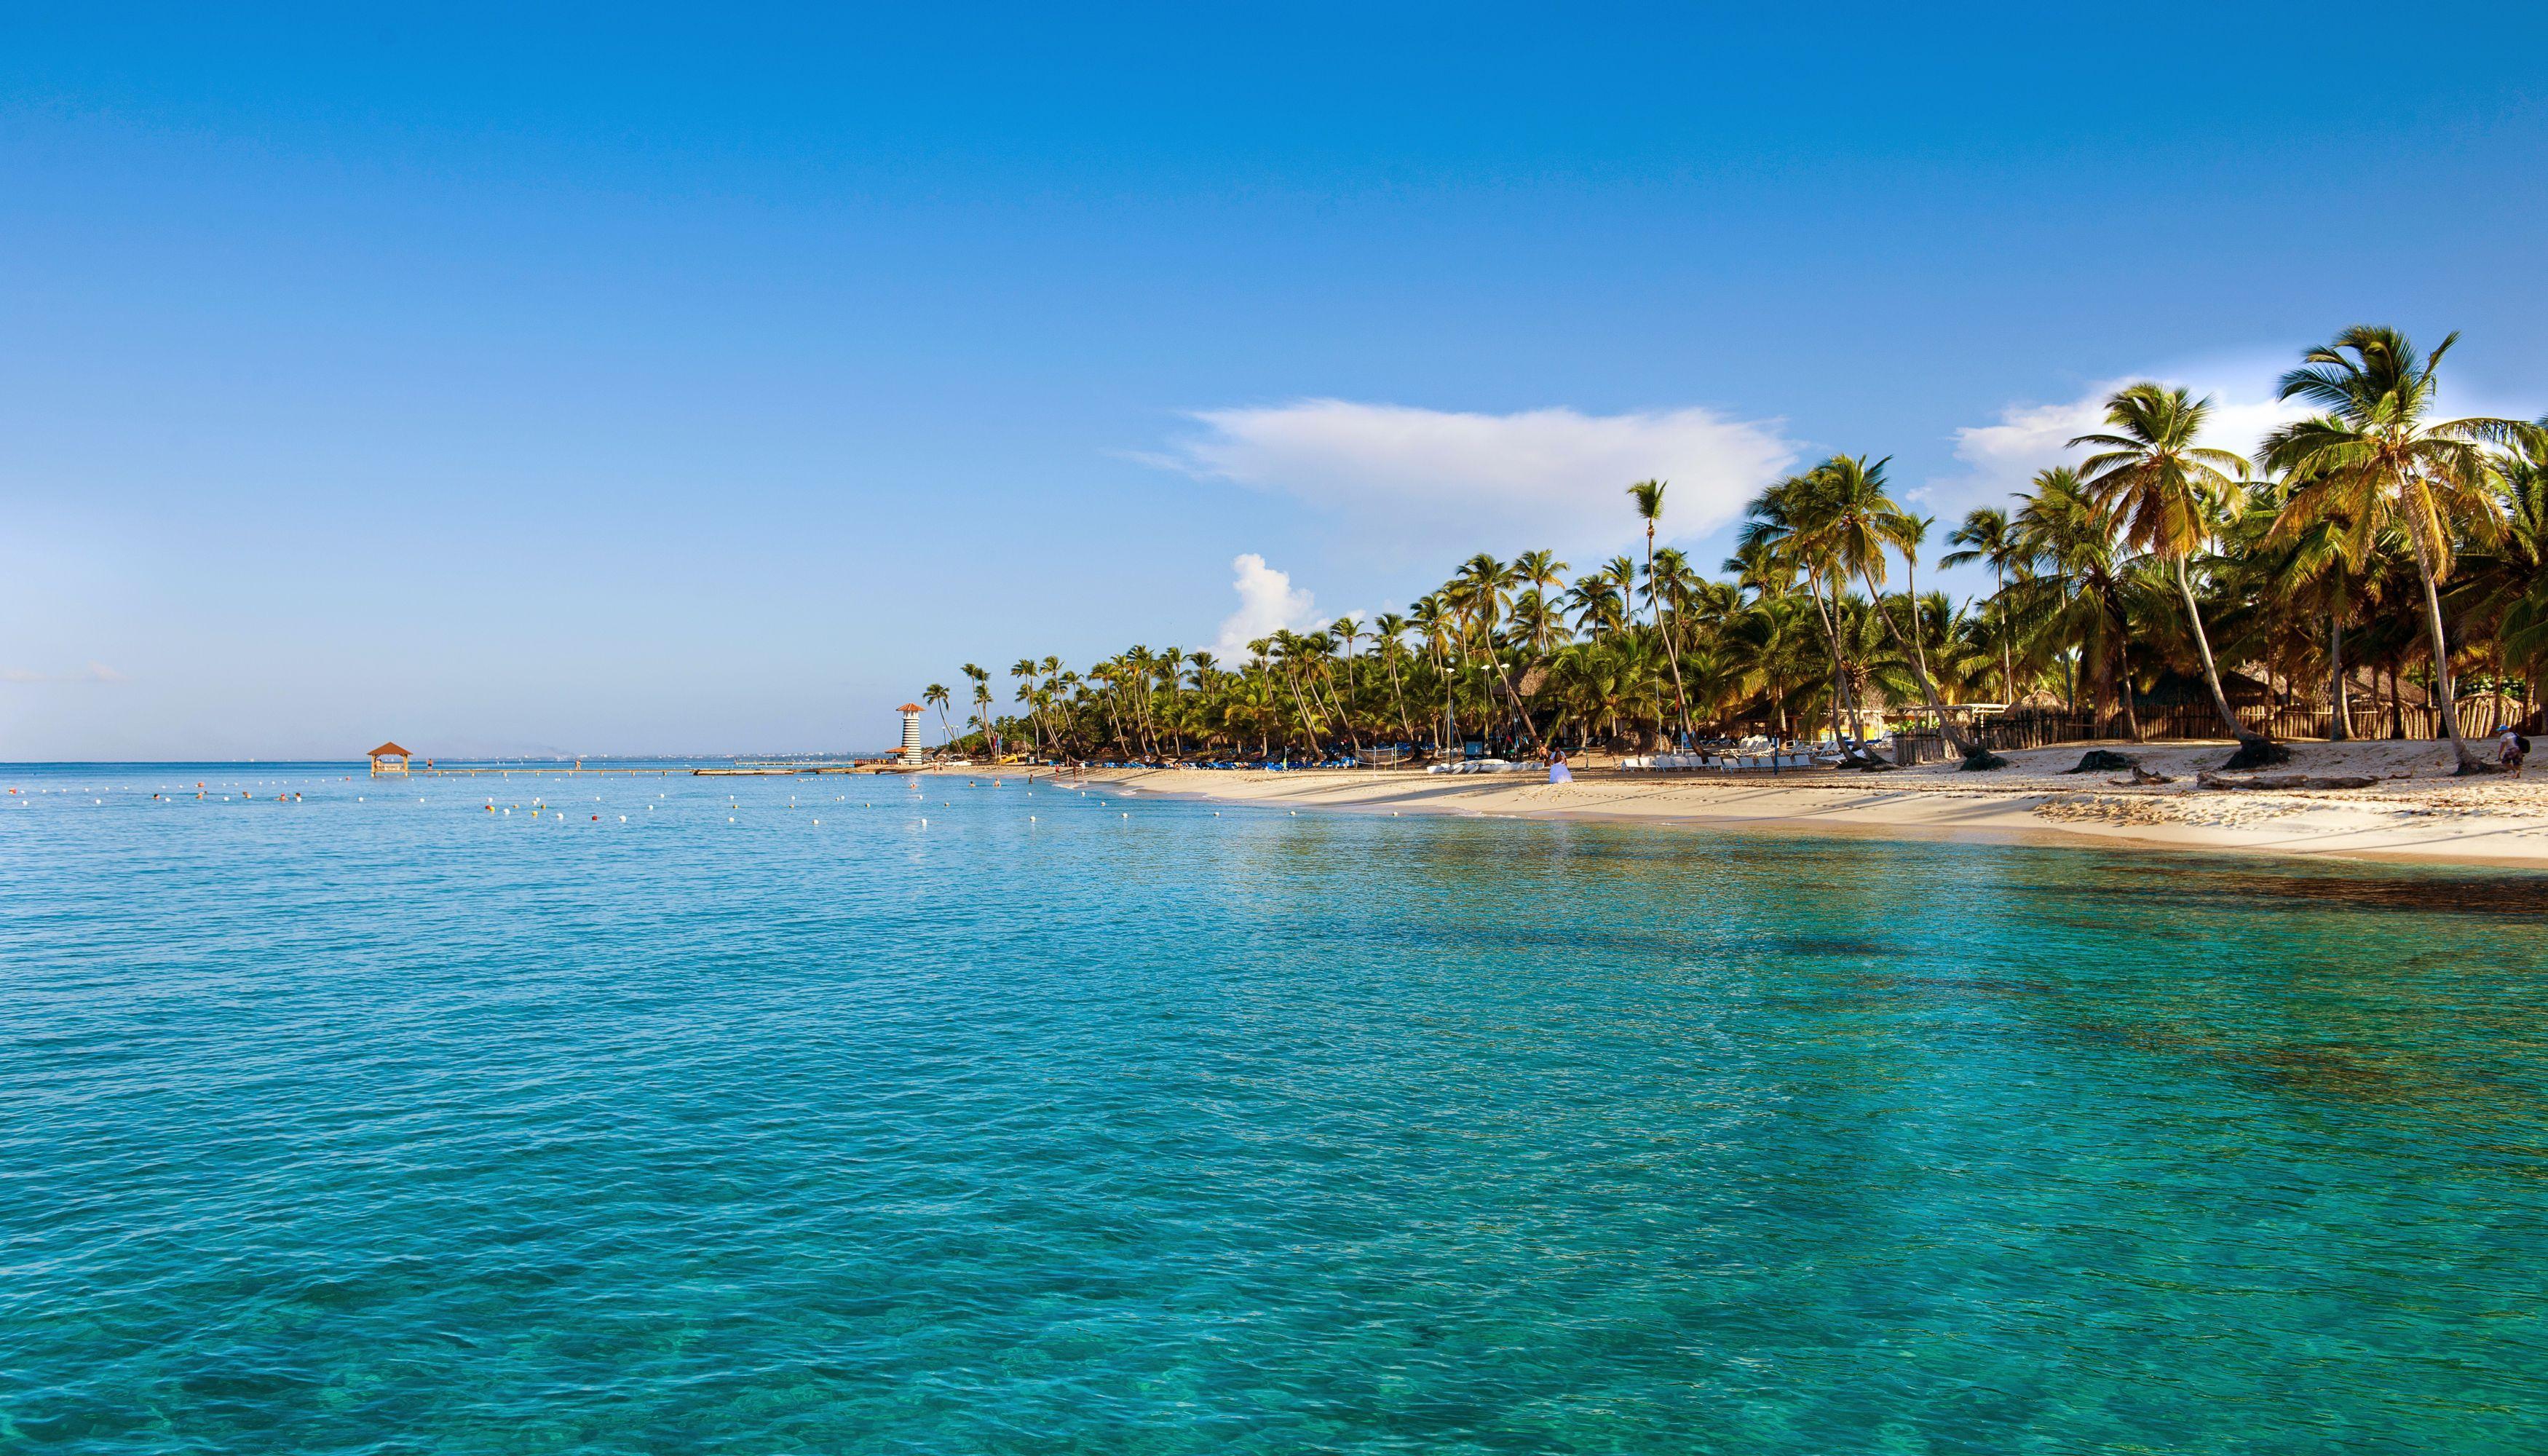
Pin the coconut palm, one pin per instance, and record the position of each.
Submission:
(1769, 555)
(1648, 498)
(2375, 459)
(1389, 640)
(1985, 537)
(1847, 514)
(937, 697)
(981, 681)
(2169, 492)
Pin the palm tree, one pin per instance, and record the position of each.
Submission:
(2079, 589)
(1985, 537)
(1649, 496)
(1848, 513)
(1388, 628)
(2168, 491)
(982, 704)
(2511, 576)
(935, 696)
(2372, 459)
(1024, 670)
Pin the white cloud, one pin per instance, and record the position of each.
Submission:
(1267, 599)
(2002, 457)
(1466, 481)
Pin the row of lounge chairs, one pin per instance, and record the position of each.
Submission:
(1486, 766)
(1770, 760)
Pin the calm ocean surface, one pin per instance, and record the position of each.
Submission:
(397, 1126)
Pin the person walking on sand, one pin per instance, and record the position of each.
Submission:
(1557, 773)
(2510, 748)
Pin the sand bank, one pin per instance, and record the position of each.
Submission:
(2416, 810)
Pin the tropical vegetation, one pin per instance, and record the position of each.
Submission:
(2363, 560)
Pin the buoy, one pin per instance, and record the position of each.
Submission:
(1128, 816)
(623, 818)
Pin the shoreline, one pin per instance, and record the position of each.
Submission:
(2417, 813)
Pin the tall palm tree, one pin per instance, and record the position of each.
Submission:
(2375, 459)
(937, 697)
(1391, 630)
(1482, 587)
(1024, 670)
(1849, 515)
(2079, 591)
(981, 702)
(1985, 537)
(1648, 498)
(2168, 491)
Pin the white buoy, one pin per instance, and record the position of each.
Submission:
(623, 818)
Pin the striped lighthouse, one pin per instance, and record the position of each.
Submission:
(910, 733)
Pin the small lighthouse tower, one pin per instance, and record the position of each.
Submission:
(910, 733)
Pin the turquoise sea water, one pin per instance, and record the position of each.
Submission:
(400, 1126)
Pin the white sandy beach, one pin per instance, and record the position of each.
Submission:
(2418, 811)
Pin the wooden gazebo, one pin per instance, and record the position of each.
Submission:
(389, 758)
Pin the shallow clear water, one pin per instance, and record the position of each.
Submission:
(398, 1126)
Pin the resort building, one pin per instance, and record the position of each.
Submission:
(910, 732)
(389, 758)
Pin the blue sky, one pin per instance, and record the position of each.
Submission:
(628, 381)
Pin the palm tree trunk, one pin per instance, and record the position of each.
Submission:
(2445, 705)
(2123, 670)
(2007, 661)
(1919, 671)
(1303, 705)
(1345, 717)
(1397, 694)
(2339, 702)
(2211, 674)
(1840, 667)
